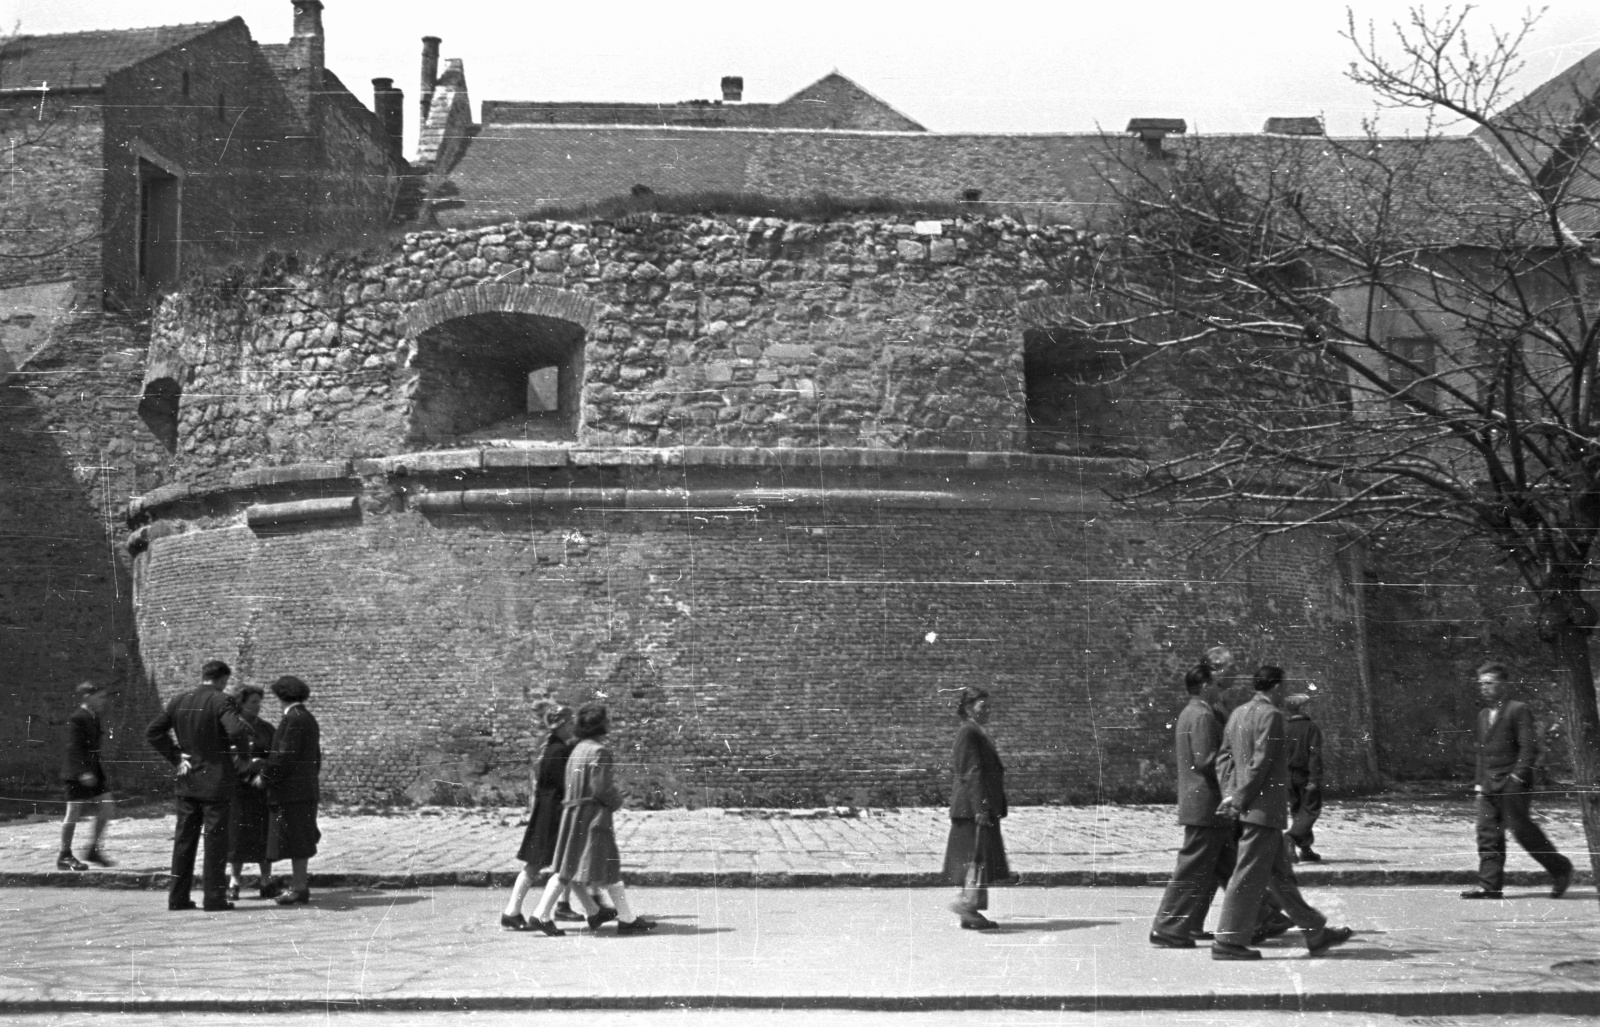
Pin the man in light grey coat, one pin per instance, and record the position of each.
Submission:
(1253, 771)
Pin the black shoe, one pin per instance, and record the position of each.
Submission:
(290, 897)
(1169, 941)
(67, 861)
(1203, 936)
(547, 927)
(515, 922)
(1228, 950)
(605, 916)
(1562, 881)
(978, 922)
(638, 925)
(564, 911)
(1326, 939)
(217, 907)
(1276, 926)
(98, 858)
(179, 907)
(270, 890)
(1309, 856)
(1481, 893)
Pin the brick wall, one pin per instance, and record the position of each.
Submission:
(50, 214)
(785, 650)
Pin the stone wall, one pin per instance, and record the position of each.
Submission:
(50, 220)
(769, 626)
(872, 332)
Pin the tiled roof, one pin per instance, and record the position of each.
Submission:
(508, 171)
(84, 59)
(1440, 191)
(832, 101)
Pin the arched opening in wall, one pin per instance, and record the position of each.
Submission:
(158, 409)
(497, 376)
(1074, 407)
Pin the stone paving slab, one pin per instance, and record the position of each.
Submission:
(1418, 951)
(1365, 842)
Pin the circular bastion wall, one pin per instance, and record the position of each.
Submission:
(755, 485)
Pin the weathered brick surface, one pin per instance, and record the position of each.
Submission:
(763, 652)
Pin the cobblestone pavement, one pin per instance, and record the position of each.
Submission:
(1371, 840)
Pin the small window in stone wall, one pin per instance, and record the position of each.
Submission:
(158, 409)
(497, 376)
(1074, 404)
(185, 83)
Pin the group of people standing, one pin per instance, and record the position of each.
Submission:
(251, 789)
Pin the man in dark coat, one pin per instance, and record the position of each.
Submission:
(1304, 739)
(85, 778)
(194, 733)
(1253, 771)
(1507, 748)
(1206, 836)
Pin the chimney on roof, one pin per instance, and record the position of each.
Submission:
(306, 52)
(430, 71)
(1152, 130)
(1294, 127)
(732, 88)
(388, 103)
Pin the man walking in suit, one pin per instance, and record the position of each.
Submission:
(85, 777)
(1206, 836)
(1253, 772)
(205, 722)
(1507, 747)
(1304, 739)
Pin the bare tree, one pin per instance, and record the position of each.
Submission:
(1393, 335)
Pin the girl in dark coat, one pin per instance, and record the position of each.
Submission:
(544, 820)
(290, 779)
(248, 815)
(975, 856)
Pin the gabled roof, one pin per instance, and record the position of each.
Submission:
(832, 101)
(83, 60)
(508, 170)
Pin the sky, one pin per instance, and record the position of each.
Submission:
(991, 66)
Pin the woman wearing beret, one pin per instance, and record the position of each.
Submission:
(975, 856)
(290, 779)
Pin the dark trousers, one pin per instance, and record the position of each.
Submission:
(193, 815)
(1504, 810)
(1263, 869)
(1194, 880)
(1304, 807)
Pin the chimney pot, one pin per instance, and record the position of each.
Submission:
(430, 72)
(1294, 127)
(732, 88)
(388, 104)
(1152, 130)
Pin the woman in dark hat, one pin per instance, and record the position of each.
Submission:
(975, 856)
(544, 820)
(248, 815)
(290, 779)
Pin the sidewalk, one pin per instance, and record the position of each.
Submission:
(1371, 841)
(1417, 952)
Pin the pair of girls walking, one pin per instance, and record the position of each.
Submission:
(570, 833)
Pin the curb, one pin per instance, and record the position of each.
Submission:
(1315, 878)
(1395, 1003)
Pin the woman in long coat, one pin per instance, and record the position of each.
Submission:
(586, 846)
(248, 815)
(544, 820)
(290, 778)
(975, 856)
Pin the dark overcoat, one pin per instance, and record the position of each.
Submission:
(1253, 764)
(295, 761)
(247, 818)
(1198, 736)
(1508, 747)
(544, 819)
(206, 724)
(978, 781)
(586, 844)
(1304, 739)
(82, 755)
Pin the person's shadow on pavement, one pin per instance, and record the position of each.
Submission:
(344, 901)
(664, 925)
(1041, 924)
